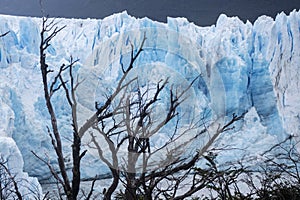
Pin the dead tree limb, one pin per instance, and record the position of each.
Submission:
(4, 34)
(71, 188)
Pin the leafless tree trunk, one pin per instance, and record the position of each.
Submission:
(71, 188)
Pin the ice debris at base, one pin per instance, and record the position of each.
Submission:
(244, 67)
(11, 157)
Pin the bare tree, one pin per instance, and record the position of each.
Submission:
(9, 187)
(14, 186)
(278, 174)
(71, 186)
(125, 122)
(128, 121)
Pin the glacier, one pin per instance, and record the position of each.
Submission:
(243, 67)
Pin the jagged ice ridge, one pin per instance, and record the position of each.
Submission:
(244, 67)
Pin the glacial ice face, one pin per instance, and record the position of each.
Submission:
(243, 67)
